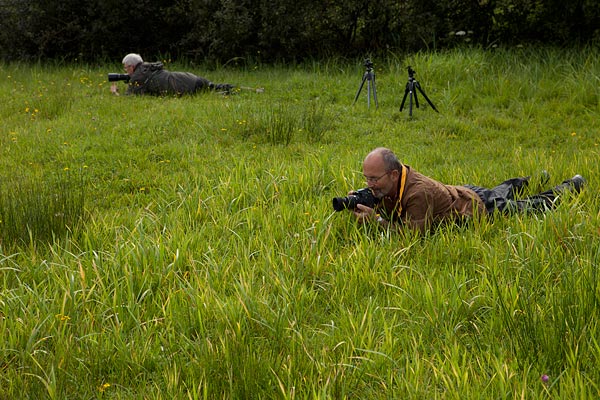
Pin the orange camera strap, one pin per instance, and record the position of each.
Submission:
(401, 191)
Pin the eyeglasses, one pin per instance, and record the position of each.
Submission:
(375, 179)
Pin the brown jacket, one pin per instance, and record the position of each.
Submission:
(423, 203)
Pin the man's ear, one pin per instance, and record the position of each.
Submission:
(394, 174)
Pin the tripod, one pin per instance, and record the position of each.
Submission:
(368, 76)
(410, 92)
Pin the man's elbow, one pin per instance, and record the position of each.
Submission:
(420, 226)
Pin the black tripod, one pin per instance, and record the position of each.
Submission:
(410, 92)
(368, 76)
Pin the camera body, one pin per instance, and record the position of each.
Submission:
(112, 77)
(362, 196)
(368, 64)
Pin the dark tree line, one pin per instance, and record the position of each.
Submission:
(283, 30)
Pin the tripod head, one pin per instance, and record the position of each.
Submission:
(411, 72)
(368, 64)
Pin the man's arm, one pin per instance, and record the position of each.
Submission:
(419, 225)
(417, 212)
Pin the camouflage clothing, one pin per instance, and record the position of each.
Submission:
(153, 79)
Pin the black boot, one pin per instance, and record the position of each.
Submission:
(224, 88)
(576, 183)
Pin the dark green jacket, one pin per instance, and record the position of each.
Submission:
(153, 79)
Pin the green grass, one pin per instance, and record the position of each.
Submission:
(202, 258)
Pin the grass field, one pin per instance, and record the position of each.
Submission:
(186, 248)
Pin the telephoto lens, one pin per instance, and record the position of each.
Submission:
(112, 77)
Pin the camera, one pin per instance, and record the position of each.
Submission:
(362, 196)
(368, 63)
(112, 77)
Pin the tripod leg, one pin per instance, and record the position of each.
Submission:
(375, 93)
(410, 99)
(416, 99)
(404, 98)
(426, 98)
(368, 93)
(364, 78)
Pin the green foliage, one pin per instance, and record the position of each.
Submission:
(210, 263)
(281, 30)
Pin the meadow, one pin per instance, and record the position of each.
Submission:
(186, 248)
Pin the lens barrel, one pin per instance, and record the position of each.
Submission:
(340, 203)
(112, 77)
(345, 203)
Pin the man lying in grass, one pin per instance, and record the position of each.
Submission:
(153, 79)
(404, 197)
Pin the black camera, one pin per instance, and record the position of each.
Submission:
(368, 63)
(362, 196)
(118, 77)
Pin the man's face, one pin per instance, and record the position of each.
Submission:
(380, 181)
(129, 69)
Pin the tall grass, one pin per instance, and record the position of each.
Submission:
(39, 210)
(210, 264)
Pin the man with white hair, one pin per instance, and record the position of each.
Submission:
(153, 79)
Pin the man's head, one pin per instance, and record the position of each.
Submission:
(381, 169)
(130, 61)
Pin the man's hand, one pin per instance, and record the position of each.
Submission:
(364, 214)
(114, 89)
